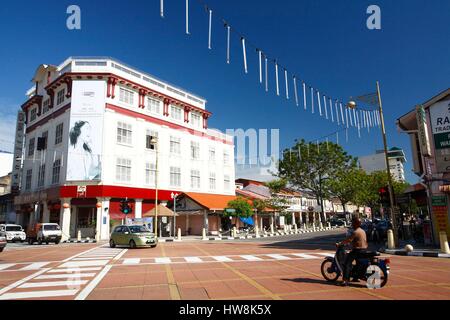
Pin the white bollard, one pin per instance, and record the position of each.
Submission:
(271, 229)
(179, 234)
(444, 242)
(295, 228)
(390, 236)
(79, 235)
(257, 232)
(233, 234)
(329, 226)
(204, 235)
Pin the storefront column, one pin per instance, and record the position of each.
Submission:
(64, 218)
(46, 213)
(138, 208)
(187, 225)
(103, 219)
(205, 221)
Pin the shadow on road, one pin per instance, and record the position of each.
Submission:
(319, 242)
(322, 281)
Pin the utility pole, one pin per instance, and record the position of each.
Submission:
(390, 185)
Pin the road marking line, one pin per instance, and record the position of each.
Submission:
(6, 265)
(34, 266)
(92, 258)
(171, 283)
(120, 254)
(53, 284)
(193, 259)
(91, 286)
(163, 260)
(81, 253)
(325, 254)
(278, 257)
(65, 276)
(74, 270)
(89, 263)
(251, 258)
(305, 256)
(132, 261)
(18, 283)
(38, 294)
(250, 281)
(222, 258)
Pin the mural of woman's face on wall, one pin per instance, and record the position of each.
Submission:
(85, 137)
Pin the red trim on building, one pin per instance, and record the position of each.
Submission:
(104, 191)
(115, 78)
(171, 125)
(49, 117)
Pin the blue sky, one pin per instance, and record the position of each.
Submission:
(324, 42)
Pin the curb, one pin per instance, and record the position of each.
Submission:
(417, 253)
(79, 241)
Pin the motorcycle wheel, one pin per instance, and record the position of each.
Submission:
(325, 270)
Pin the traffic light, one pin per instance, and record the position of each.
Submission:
(384, 195)
(125, 207)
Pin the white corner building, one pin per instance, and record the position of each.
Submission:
(94, 132)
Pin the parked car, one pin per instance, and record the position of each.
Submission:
(44, 232)
(13, 232)
(2, 242)
(336, 222)
(132, 236)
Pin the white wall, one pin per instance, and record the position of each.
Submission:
(6, 163)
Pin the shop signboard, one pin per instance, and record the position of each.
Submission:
(440, 125)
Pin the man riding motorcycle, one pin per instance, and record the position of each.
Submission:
(358, 239)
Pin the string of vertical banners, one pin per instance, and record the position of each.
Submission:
(342, 114)
(317, 142)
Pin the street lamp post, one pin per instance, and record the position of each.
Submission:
(154, 141)
(174, 196)
(352, 105)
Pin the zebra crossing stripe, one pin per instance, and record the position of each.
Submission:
(6, 265)
(38, 294)
(222, 259)
(132, 261)
(163, 260)
(65, 276)
(193, 259)
(278, 257)
(34, 266)
(251, 258)
(74, 269)
(305, 256)
(53, 284)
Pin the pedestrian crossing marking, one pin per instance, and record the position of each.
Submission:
(193, 259)
(65, 276)
(34, 266)
(6, 265)
(53, 284)
(305, 256)
(278, 257)
(222, 258)
(163, 260)
(251, 258)
(132, 261)
(74, 269)
(38, 294)
(88, 263)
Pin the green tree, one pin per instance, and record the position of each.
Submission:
(369, 196)
(347, 184)
(308, 166)
(276, 201)
(242, 208)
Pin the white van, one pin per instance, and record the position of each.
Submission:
(13, 232)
